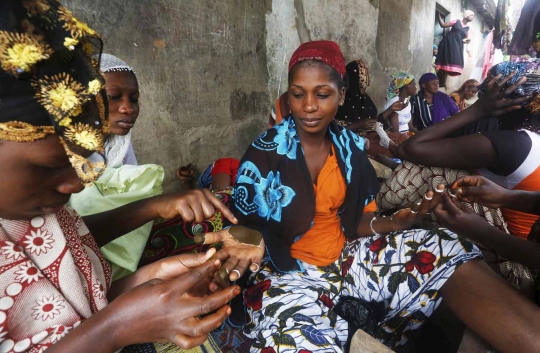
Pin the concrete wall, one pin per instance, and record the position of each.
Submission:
(390, 35)
(202, 71)
(209, 70)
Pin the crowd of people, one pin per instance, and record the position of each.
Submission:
(298, 244)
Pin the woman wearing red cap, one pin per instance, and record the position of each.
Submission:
(304, 197)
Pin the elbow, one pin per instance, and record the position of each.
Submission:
(408, 151)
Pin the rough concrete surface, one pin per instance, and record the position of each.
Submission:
(202, 71)
(210, 70)
(390, 35)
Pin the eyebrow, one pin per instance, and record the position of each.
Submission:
(318, 86)
(120, 87)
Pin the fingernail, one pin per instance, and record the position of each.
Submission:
(211, 252)
(429, 198)
(438, 190)
(199, 239)
(456, 191)
(236, 291)
(223, 276)
(229, 311)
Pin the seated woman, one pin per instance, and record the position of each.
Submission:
(123, 94)
(400, 89)
(306, 189)
(359, 114)
(219, 175)
(430, 106)
(464, 98)
(467, 91)
(508, 157)
(54, 282)
(123, 181)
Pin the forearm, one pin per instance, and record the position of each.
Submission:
(97, 334)
(221, 181)
(447, 126)
(126, 283)
(381, 225)
(386, 114)
(506, 245)
(109, 225)
(524, 201)
(431, 145)
(394, 121)
(412, 128)
(441, 23)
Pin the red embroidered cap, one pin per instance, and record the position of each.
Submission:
(326, 51)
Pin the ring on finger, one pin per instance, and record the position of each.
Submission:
(239, 275)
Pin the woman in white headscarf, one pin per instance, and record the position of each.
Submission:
(123, 181)
(123, 93)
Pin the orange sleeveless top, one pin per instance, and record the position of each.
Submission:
(520, 223)
(526, 177)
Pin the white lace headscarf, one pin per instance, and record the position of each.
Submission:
(116, 146)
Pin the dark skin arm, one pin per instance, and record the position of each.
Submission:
(460, 219)
(162, 309)
(403, 219)
(477, 189)
(411, 127)
(443, 24)
(429, 147)
(221, 181)
(394, 121)
(194, 205)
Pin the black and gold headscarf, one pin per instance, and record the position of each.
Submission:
(49, 82)
(358, 105)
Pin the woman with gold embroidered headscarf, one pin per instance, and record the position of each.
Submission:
(54, 282)
(359, 114)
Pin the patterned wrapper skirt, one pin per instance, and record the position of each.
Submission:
(402, 272)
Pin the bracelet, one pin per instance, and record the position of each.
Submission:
(371, 226)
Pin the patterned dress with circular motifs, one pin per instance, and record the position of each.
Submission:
(52, 277)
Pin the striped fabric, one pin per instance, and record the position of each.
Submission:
(421, 112)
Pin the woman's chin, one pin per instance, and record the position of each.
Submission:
(120, 131)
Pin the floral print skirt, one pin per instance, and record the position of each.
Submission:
(292, 312)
